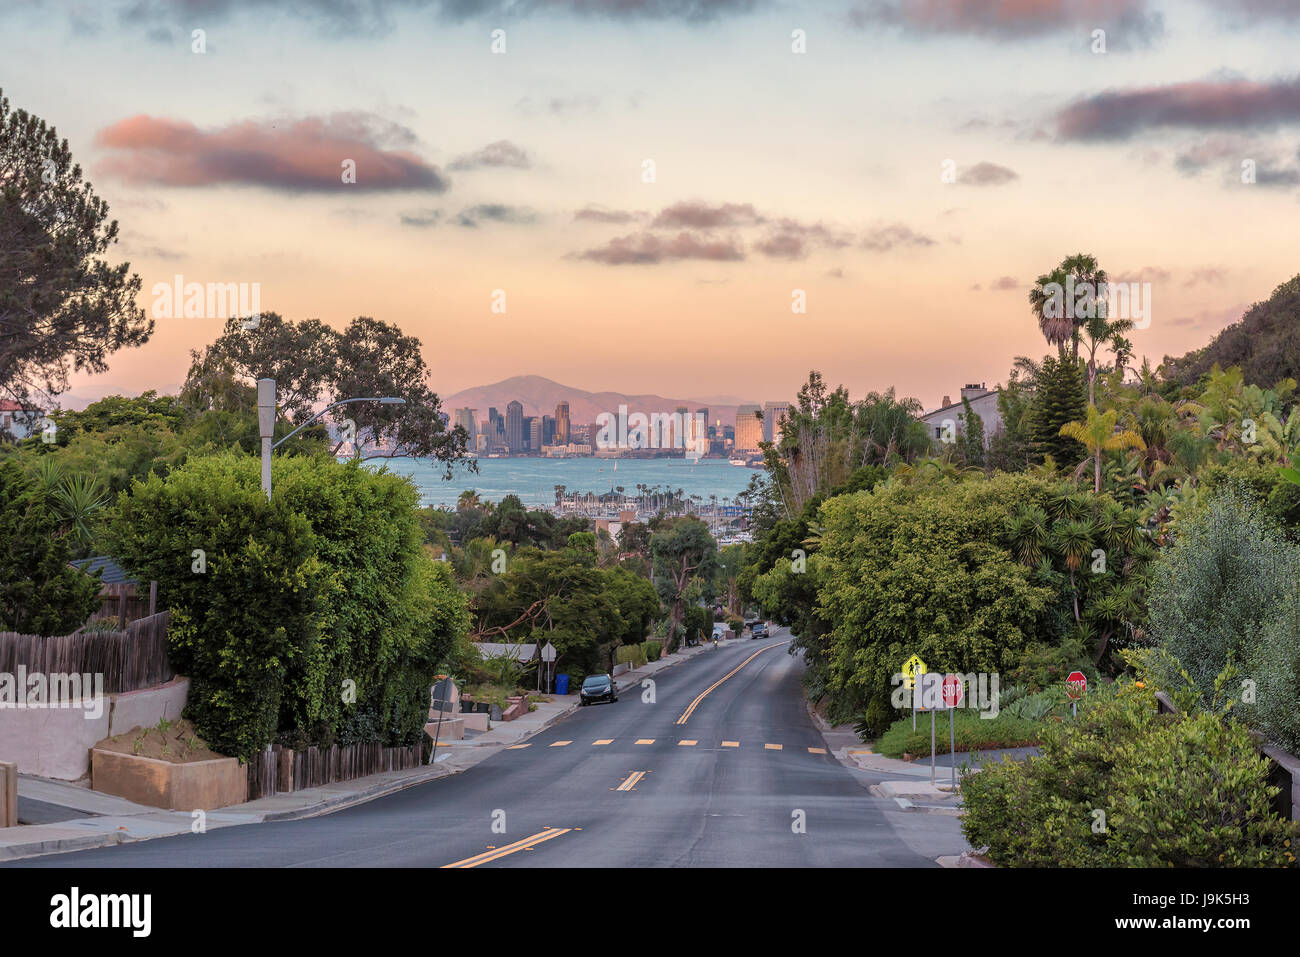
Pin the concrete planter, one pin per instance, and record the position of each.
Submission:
(199, 785)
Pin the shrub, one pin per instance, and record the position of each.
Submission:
(973, 733)
(651, 649)
(633, 655)
(1217, 588)
(1175, 790)
(1274, 664)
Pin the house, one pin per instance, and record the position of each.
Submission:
(951, 415)
(18, 422)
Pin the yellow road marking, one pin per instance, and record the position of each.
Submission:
(560, 744)
(687, 744)
(772, 747)
(602, 741)
(645, 740)
(690, 709)
(516, 747)
(816, 750)
(731, 744)
(631, 781)
(527, 843)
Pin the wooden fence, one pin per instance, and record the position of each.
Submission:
(124, 601)
(129, 660)
(279, 770)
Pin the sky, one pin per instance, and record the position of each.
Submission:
(648, 186)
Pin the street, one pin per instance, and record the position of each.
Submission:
(723, 769)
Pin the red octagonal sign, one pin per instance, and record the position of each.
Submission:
(952, 690)
(1076, 685)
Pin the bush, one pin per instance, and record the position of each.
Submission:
(325, 584)
(633, 655)
(973, 733)
(1175, 791)
(651, 649)
(1274, 664)
(1218, 587)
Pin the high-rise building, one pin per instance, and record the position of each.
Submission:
(533, 426)
(749, 427)
(465, 419)
(773, 413)
(562, 423)
(515, 426)
(548, 430)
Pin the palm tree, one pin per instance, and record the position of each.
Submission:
(1101, 331)
(1060, 325)
(1056, 329)
(1098, 435)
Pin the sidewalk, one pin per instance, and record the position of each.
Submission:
(101, 820)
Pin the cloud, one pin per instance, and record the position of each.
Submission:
(693, 214)
(558, 105)
(1210, 275)
(648, 249)
(1003, 283)
(500, 153)
(472, 217)
(422, 218)
(300, 155)
(791, 239)
(1131, 20)
(598, 214)
(1251, 12)
(987, 174)
(1207, 104)
(884, 238)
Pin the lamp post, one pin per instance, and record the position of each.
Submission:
(266, 422)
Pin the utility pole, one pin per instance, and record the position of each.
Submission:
(266, 427)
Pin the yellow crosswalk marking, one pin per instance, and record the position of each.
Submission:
(772, 747)
(816, 750)
(518, 747)
(687, 744)
(645, 740)
(560, 744)
(731, 744)
(602, 741)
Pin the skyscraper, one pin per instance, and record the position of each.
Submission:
(773, 413)
(548, 430)
(562, 423)
(749, 427)
(466, 420)
(515, 426)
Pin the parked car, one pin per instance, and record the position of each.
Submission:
(598, 688)
(759, 630)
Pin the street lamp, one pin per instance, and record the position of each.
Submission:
(266, 422)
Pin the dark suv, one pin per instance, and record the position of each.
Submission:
(759, 630)
(598, 688)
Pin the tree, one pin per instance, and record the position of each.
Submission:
(62, 306)
(40, 593)
(1101, 331)
(1063, 299)
(682, 551)
(1057, 400)
(972, 436)
(1097, 434)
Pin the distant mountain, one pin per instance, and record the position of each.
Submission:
(540, 395)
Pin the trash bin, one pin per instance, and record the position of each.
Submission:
(561, 684)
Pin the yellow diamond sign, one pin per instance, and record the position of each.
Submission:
(912, 667)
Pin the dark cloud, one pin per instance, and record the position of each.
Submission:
(472, 217)
(1209, 104)
(791, 239)
(884, 238)
(692, 214)
(1130, 21)
(298, 155)
(498, 154)
(597, 214)
(649, 249)
(987, 174)
(422, 218)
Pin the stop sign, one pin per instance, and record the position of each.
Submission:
(952, 690)
(1076, 685)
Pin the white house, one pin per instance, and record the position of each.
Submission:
(18, 422)
(983, 402)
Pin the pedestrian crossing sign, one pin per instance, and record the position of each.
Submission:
(912, 667)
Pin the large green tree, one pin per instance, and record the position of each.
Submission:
(62, 305)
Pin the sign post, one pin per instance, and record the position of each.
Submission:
(913, 668)
(952, 695)
(1076, 686)
(548, 657)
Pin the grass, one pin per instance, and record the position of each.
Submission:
(973, 733)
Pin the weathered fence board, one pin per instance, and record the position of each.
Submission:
(129, 660)
(279, 770)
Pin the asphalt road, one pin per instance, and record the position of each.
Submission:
(728, 778)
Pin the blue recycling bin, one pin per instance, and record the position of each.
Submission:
(561, 684)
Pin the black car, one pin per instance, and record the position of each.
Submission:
(598, 688)
(759, 630)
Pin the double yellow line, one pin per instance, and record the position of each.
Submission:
(631, 781)
(550, 834)
(690, 709)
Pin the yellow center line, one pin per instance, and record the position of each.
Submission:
(687, 744)
(690, 709)
(631, 781)
(560, 744)
(731, 744)
(526, 844)
(772, 747)
(816, 750)
(517, 747)
(602, 741)
(645, 740)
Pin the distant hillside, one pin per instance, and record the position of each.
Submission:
(540, 395)
(1265, 343)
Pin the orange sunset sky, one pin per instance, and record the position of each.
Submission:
(775, 170)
